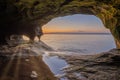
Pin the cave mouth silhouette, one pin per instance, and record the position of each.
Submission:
(77, 23)
(22, 16)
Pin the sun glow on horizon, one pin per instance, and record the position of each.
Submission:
(75, 24)
(46, 30)
(52, 30)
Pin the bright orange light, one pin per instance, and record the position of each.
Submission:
(51, 30)
(48, 30)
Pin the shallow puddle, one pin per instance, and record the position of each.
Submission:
(55, 64)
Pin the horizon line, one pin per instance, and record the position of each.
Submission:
(78, 33)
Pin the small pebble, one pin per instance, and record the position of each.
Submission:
(27, 60)
(34, 74)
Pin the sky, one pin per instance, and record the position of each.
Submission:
(75, 24)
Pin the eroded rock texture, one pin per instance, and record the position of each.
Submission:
(103, 66)
(22, 16)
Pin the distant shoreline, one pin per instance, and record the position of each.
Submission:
(81, 33)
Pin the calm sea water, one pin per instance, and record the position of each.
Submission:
(74, 43)
(80, 43)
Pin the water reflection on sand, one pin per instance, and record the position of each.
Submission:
(55, 64)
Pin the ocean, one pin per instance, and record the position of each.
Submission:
(74, 44)
(80, 43)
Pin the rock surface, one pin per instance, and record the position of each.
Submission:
(103, 66)
(24, 62)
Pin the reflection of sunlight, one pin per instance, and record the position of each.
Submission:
(25, 37)
(16, 73)
(36, 39)
(10, 64)
(7, 68)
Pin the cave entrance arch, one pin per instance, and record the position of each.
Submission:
(22, 15)
(79, 24)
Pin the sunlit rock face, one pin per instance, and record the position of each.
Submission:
(22, 16)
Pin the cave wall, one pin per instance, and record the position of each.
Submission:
(22, 16)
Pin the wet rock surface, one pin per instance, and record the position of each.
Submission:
(24, 62)
(103, 66)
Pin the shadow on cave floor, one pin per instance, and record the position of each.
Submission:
(22, 63)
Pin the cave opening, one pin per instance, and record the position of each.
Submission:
(22, 17)
(78, 34)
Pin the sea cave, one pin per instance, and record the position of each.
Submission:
(25, 61)
(21, 17)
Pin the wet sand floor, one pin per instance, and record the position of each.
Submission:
(24, 68)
